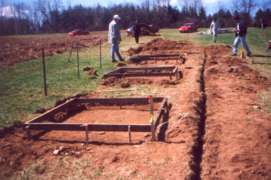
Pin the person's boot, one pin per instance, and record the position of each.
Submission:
(114, 61)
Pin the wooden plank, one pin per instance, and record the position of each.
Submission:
(148, 68)
(52, 111)
(118, 101)
(142, 74)
(91, 127)
(159, 55)
(112, 72)
(132, 71)
(160, 112)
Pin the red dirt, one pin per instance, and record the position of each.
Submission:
(123, 82)
(236, 141)
(108, 115)
(161, 46)
(237, 138)
(14, 50)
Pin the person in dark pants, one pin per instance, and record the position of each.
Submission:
(137, 28)
(240, 37)
(137, 31)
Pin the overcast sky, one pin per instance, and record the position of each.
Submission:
(210, 5)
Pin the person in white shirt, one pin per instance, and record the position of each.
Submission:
(214, 29)
(114, 37)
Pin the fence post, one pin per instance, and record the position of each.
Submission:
(78, 64)
(100, 53)
(44, 73)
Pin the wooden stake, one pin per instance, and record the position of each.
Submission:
(44, 73)
(130, 135)
(177, 75)
(87, 138)
(78, 64)
(100, 53)
(152, 132)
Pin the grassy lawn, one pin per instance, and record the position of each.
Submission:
(21, 86)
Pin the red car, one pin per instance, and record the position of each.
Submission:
(188, 27)
(78, 32)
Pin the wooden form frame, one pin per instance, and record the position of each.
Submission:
(145, 71)
(39, 124)
(179, 58)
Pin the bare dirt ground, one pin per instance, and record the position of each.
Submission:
(237, 131)
(14, 50)
(216, 130)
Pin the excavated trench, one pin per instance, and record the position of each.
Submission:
(197, 148)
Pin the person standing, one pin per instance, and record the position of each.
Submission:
(214, 29)
(137, 31)
(240, 37)
(114, 37)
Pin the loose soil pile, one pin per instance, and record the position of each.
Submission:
(14, 50)
(161, 46)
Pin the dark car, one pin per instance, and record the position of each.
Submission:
(188, 27)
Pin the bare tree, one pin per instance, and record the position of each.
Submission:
(162, 3)
(146, 5)
(194, 4)
(244, 6)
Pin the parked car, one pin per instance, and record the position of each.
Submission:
(188, 27)
(78, 32)
(146, 30)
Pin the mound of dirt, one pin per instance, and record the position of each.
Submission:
(110, 81)
(155, 45)
(90, 71)
(133, 51)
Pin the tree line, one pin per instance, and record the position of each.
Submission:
(51, 16)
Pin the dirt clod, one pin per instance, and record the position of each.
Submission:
(121, 64)
(125, 85)
(90, 71)
(168, 82)
(110, 81)
(40, 110)
(59, 117)
(40, 169)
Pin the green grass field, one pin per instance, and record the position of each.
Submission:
(21, 86)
